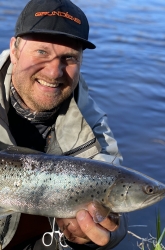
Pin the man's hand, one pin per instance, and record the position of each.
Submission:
(83, 229)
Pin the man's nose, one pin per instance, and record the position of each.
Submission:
(54, 68)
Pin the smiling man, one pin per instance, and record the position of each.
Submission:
(45, 106)
(50, 75)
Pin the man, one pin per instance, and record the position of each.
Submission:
(45, 106)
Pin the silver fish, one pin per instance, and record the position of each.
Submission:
(59, 186)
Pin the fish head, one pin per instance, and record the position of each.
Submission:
(134, 191)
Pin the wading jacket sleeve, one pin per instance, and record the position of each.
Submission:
(81, 130)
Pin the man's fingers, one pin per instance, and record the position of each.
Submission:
(93, 231)
(72, 230)
(109, 225)
(83, 228)
(107, 222)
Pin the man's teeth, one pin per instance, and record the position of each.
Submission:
(53, 85)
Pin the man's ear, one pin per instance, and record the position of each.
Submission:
(13, 50)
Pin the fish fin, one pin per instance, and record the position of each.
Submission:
(4, 146)
(4, 212)
(100, 212)
(12, 149)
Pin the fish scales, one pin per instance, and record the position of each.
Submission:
(30, 182)
(59, 186)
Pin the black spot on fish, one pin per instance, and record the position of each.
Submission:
(105, 190)
(122, 194)
(82, 191)
(71, 197)
(102, 200)
(123, 186)
(90, 186)
(98, 192)
(77, 192)
(92, 195)
(76, 200)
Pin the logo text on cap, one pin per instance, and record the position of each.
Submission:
(59, 13)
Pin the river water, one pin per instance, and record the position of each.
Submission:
(126, 77)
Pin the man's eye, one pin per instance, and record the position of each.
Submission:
(41, 52)
(70, 59)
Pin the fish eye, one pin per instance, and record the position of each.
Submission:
(149, 189)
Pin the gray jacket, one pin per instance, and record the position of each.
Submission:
(81, 130)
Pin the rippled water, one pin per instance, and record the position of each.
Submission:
(126, 76)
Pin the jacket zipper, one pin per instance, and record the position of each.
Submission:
(81, 148)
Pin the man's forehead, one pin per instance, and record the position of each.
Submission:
(55, 39)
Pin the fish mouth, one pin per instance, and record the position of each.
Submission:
(47, 84)
(149, 201)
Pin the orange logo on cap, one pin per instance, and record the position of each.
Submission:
(59, 13)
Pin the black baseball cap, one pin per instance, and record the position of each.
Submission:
(54, 17)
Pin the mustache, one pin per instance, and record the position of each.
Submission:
(48, 80)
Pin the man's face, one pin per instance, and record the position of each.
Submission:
(45, 73)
